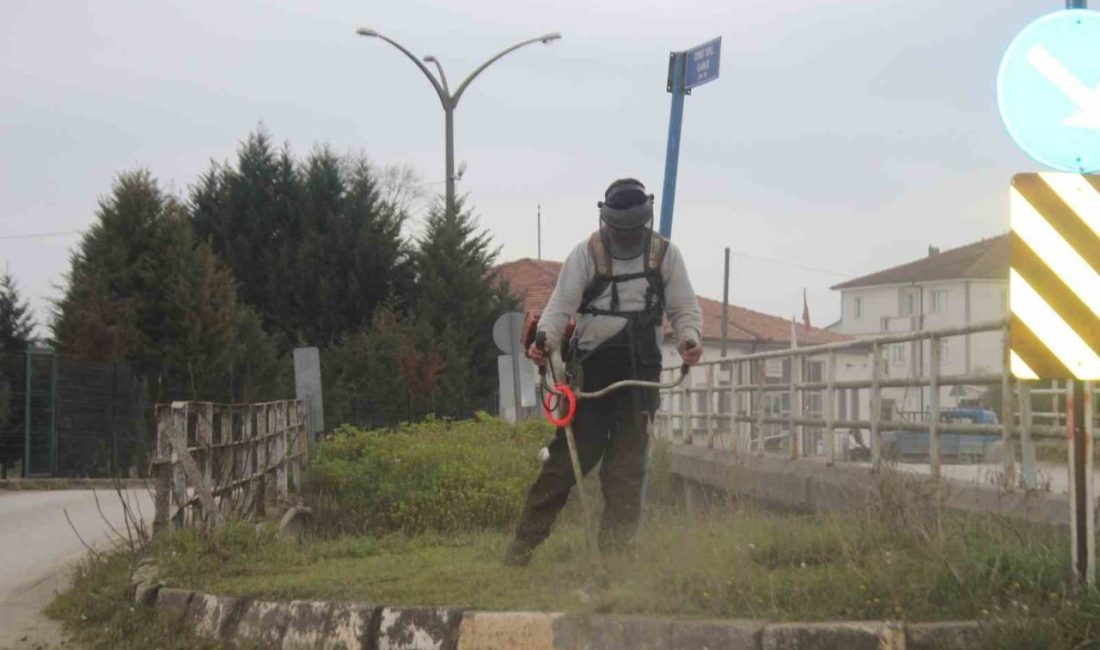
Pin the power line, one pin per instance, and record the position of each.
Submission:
(791, 264)
(40, 235)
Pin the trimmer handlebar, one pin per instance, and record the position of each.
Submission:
(540, 345)
(685, 369)
(540, 340)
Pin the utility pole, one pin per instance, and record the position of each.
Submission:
(540, 232)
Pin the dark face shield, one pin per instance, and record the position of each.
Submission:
(625, 243)
(625, 221)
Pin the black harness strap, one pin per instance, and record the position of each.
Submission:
(650, 315)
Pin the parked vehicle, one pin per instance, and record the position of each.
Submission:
(955, 446)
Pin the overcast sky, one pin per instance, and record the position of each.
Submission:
(842, 137)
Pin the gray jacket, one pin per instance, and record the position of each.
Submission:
(681, 305)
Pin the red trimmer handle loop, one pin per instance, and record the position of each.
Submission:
(570, 398)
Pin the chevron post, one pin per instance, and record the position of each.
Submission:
(1054, 279)
(1054, 325)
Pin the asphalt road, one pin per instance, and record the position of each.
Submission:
(38, 550)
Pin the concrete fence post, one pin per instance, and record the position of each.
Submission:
(795, 410)
(710, 406)
(876, 404)
(758, 438)
(1027, 445)
(163, 500)
(934, 416)
(830, 410)
(179, 481)
(1008, 414)
(689, 421)
(735, 407)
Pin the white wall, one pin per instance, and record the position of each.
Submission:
(988, 301)
(977, 353)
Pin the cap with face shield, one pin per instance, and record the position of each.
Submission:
(626, 217)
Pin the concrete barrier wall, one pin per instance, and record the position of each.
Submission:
(815, 487)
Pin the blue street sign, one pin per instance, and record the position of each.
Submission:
(701, 63)
(686, 70)
(1048, 90)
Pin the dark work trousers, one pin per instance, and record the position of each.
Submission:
(611, 428)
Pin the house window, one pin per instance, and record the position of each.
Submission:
(859, 307)
(812, 407)
(939, 301)
(945, 351)
(907, 302)
(888, 406)
(897, 353)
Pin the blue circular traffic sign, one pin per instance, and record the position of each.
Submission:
(1048, 90)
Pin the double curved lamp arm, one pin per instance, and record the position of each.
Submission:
(448, 100)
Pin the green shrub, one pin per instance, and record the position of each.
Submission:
(435, 475)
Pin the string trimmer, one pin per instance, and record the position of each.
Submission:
(564, 411)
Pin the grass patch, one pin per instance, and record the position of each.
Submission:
(435, 475)
(99, 615)
(420, 517)
(734, 563)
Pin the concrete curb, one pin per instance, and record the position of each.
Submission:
(309, 625)
(22, 484)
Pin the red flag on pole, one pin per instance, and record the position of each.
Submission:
(805, 310)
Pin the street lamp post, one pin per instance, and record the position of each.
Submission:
(449, 100)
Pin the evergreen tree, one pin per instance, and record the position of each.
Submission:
(386, 373)
(314, 247)
(460, 300)
(16, 333)
(141, 291)
(16, 322)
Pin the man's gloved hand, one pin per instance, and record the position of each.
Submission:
(692, 355)
(537, 355)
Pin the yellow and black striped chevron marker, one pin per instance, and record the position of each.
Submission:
(1054, 277)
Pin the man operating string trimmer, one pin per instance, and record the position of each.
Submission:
(619, 283)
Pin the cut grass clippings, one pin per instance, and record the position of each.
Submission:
(737, 563)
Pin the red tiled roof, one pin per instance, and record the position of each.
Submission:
(986, 259)
(533, 281)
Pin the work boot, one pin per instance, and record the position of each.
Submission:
(519, 554)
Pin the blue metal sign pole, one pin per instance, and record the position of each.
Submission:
(672, 155)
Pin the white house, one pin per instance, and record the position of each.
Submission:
(961, 286)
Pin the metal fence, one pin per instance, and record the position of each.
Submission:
(219, 460)
(66, 416)
(729, 407)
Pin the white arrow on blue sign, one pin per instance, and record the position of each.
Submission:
(701, 63)
(1048, 90)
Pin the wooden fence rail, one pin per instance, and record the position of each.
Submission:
(219, 460)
